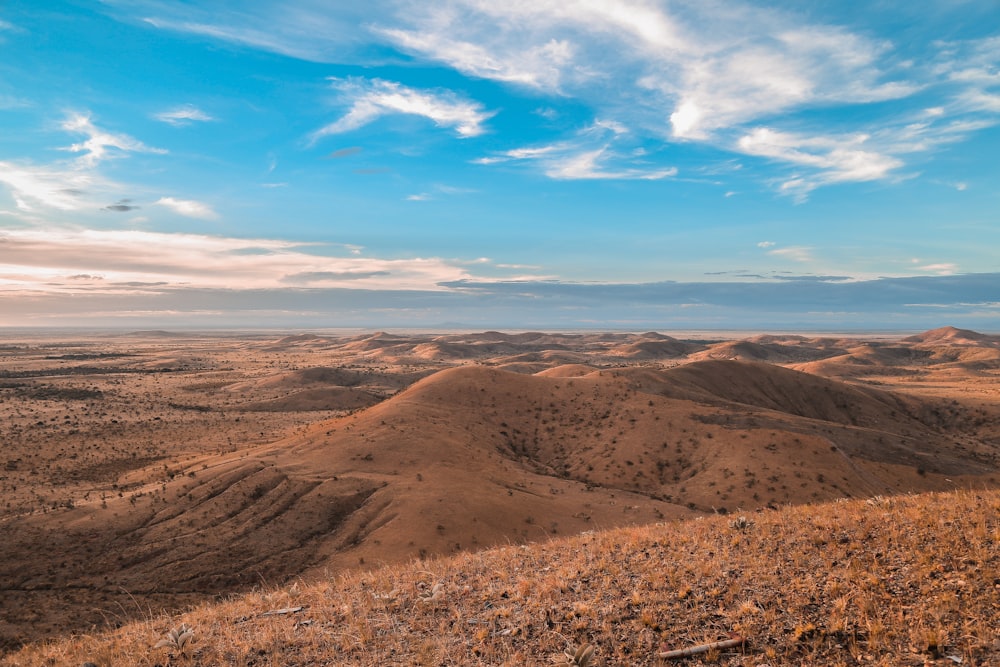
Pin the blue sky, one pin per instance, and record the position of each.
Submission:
(532, 163)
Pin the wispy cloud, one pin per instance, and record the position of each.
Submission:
(712, 66)
(536, 65)
(370, 99)
(590, 155)
(183, 115)
(8, 27)
(942, 268)
(300, 29)
(76, 184)
(188, 208)
(439, 189)
(100, 144)
(832, 159)
(795, 253)
(62, 187)
(344, 152)
(9, 102)
(730, 73)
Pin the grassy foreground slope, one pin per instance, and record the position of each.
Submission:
(904, 580)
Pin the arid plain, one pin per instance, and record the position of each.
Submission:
(148, 471)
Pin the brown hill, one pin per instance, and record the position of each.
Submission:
(662, 347)
(873, 359)
(303, 377)
(568, 371)
(472, 456)
(333, 398)
(764, 349)
(953, 336)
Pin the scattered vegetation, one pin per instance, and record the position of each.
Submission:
(137, 463)
(905, 580)
(179, 640)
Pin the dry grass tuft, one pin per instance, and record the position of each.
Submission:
(907, 580)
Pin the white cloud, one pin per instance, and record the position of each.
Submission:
(588, 165)
(537, 66)
(942, 269)
(587, 156)
(60, 187)
(979, 100)
(689, 70)
(77, 184)
(99, 144)
(372, 99)
(188, 208)
(183, 115)
(766, 244)
(701, 72)
(795, 253)
(835, 159)
(423, 196)
(712, 66)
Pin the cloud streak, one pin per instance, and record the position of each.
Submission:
(45, 259)
(372, 99)
(590, 155)
(101, 145)
(188, 208)
(183, 115)
(61, 187)
(833, 159)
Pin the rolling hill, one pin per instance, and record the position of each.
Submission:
(474, 456)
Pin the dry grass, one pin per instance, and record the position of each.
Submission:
(885, 581)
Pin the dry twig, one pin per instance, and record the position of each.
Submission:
(703, 648)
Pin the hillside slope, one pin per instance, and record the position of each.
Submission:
(472, 457)
(909, 580)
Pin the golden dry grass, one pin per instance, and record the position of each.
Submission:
(904, 580)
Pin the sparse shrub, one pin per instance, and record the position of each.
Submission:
(580, 657)
(741, 524)
(178, 639)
